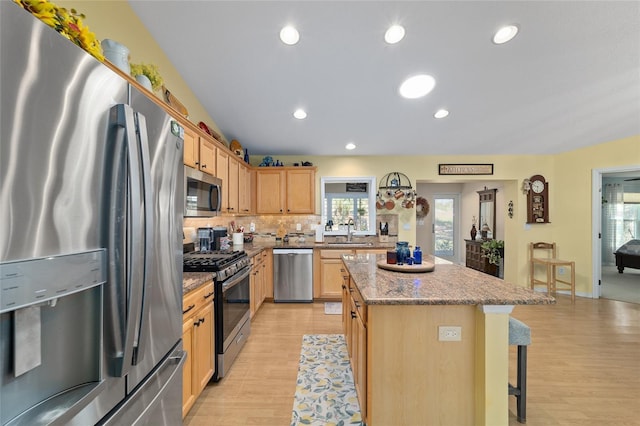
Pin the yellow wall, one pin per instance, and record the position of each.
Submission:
(117, 21)
(569, 173)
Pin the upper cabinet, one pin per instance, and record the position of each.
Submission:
(199, 153)
(244, 189)
(287, 190)
(233, 188)
(222, 172)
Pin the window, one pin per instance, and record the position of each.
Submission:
(339, 208)
(345, 198)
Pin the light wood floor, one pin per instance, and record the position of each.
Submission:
(584, 365)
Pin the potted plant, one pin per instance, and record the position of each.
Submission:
(493, 250)
(69, 23)
(151, 72)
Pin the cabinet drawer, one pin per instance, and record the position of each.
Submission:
(361, 307)
(333, 254)
(197, 298)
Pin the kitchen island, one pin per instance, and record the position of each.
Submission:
(406, 371)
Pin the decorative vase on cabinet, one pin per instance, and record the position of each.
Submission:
(144, 82)
(117, 54)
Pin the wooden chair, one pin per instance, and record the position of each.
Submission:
(551, 263)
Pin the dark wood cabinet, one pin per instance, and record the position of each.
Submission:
(474, 259)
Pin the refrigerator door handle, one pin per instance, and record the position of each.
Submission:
(148, 239)
(122, 117)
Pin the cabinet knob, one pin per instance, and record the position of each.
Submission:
(204, 166)
(353, 315)
(188, 309)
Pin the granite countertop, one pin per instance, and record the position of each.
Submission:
(193, 280)
(448, 284)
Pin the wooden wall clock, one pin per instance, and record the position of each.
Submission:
(538, 200)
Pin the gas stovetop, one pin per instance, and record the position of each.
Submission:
(223, 263)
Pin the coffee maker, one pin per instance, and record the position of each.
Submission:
(209, 238)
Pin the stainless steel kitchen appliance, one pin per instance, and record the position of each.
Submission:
(203, 194)
(230, 271)
(91, 205)
(292, 275)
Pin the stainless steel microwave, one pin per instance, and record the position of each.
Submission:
(202, 194)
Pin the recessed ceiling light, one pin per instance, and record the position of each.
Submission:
(394, 34)
(417, 86)
(300, 114)
(350, 146)
(505, 34)
(441, 113)
(289, 35)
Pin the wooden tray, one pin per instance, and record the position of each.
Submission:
(422, 267)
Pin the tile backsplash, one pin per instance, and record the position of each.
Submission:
(267, 225)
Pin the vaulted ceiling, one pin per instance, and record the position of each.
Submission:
(569, 79)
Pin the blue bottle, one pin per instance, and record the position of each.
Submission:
(417, 255)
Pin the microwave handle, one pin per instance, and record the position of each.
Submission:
(218, 203)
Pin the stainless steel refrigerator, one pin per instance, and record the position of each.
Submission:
(91, 202)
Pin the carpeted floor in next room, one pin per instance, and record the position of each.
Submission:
(325, 392)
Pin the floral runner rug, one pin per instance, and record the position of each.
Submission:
(325, 392)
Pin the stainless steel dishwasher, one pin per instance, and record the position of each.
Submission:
(292, 275)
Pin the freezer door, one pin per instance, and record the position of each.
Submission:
(160, 323)
(158, 400)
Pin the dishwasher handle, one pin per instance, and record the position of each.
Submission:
(291, 251)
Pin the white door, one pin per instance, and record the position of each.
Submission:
(446, 227)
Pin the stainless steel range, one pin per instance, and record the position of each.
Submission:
(231, 304)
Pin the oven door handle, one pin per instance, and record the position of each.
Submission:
(237, 278)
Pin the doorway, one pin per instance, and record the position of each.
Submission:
(446, 226)
(616, 220)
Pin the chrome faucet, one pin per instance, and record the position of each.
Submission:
(350, 224)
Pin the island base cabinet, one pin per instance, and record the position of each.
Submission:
(412, 377)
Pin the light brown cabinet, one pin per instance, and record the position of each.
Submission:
(329, 273)
(198, 342)
(222, 172)
(261, 281)
(286, 190)
(244, 189)
(199, 152)
(257, 283)
(355, 329)
(233, 188)
(267, 265)
(191, 156)
(207, 157)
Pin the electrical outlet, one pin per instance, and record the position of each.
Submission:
(560, 270)
(298, 227)
(449, 333)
